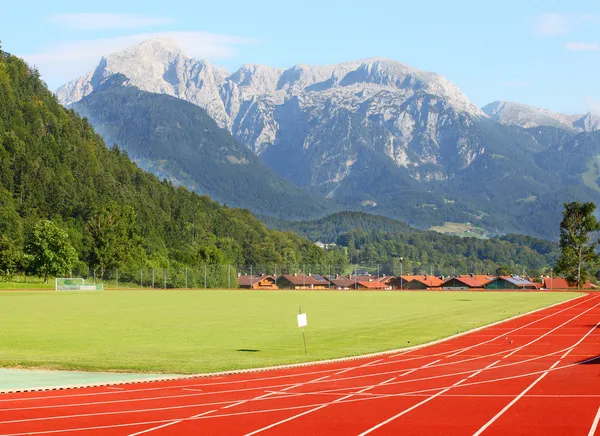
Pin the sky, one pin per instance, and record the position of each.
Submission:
(542, 53)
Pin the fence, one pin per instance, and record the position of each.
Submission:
(225, 276)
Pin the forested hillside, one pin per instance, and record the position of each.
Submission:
(371, 239)
(53, 166)
(179, 141)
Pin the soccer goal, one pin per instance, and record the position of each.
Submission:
(76, 284)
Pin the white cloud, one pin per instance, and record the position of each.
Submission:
(592, 105)
(582, 46)
(562, 24)
(96, 21)
(61, 62)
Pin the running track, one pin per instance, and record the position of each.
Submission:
(535, 375)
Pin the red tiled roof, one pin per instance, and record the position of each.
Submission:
(301, 279)
(429, 281)
(343, 283)
(372, 285)
(246, 280)
(471, 281)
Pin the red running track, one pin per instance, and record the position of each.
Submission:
(535, 375)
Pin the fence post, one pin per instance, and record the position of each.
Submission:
(204, 276)
(117, 284)
(141, 279)
(186, 279)
(152, 278)
(165, 278)
(228, 276)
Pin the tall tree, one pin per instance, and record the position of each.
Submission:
(578, 242)
(112, 233)
(50, 250)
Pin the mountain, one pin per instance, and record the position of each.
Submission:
(54, 166)
(179, 141)
(373, 135)
(375, 240)
(528, 116)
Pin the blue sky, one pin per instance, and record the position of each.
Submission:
(542, 53)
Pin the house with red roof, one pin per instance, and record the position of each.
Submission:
(467, 282)
(424, 282)
(257, 282)
(300, 281)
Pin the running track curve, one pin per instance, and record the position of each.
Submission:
(534, 375)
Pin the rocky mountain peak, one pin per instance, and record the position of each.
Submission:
(507, 112)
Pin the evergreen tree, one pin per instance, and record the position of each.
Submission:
(578, 242)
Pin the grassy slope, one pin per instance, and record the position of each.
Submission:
(192, 331)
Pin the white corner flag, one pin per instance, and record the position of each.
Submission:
(302, 320)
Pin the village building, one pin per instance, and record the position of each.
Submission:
(257, 282)
(467, 282)
(510, 282)
(343, 283)
(424, 282)
(372, 285)
(299, 281)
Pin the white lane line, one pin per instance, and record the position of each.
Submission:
(169, 424)
(398, 415)
(528, 388)
(275, 424)
(595, 424)
(509, 405)
(266, 395)
(426, 400)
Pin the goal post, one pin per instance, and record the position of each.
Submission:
(76, 284)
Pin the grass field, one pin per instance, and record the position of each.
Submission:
(464, 230)
(202, 331)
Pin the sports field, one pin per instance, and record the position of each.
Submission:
(204, 331)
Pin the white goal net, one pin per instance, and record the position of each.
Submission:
(76, 284)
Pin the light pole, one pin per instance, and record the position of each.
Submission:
(401, 273)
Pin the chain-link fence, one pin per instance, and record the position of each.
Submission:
(227, 276)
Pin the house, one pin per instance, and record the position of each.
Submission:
(401, 281)
(510, 282)
(387, 280)
(560, 283)
(299, 281)
(467, 282)
(322, 282)
(425, 282)
(343, 283)
(371, 285)
(257, 282)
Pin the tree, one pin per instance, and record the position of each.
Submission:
(503, 270)
(50, 250)
(10, 258)
(578, 242)
(112, 233)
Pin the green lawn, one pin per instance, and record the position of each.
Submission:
(201, 331)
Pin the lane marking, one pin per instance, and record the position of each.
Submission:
(518, 397)
(595, 424)
(169, 424)
(275, 424)
(398, 415)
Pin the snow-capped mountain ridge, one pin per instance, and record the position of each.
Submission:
(528, 116)
(310, 122)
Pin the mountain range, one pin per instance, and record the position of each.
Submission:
(373, 135)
